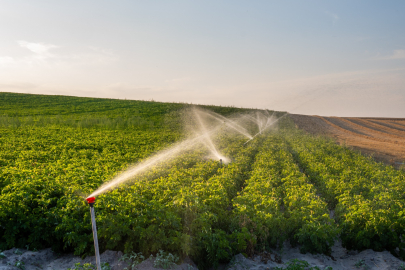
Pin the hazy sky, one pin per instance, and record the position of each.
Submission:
(343, 58)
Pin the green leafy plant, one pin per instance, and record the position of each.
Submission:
(279, 186)
(105, 266)
(295, 264)
(362, 263)
(2, 255)
(18, 252)
(165, 260)
(85, 266)
(217, 246)
(133, 259)
(89, 266)
(20, 265)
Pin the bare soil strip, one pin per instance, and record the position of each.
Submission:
(342, 126)
(393, 125)
(398, 123)
(384, 126)
(345, 129)
(384, 142)
(375, 125)
(376, 131)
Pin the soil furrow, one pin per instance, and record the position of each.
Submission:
(374, 130)
(392, 125)
(400, 123)
(341, 124)
(385, 142)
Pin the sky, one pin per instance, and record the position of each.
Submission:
(330, 58)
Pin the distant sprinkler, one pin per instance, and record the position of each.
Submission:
(220, 161)
(91, 202)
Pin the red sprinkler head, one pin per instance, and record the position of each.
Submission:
(91, 200)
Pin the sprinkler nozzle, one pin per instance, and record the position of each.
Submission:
(91, 201)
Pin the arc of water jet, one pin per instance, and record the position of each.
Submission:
(229, 123)
(278, 119)
(268, 120)
(263, 119)
(259, 122)
(256, 120)
(208, 140)
(158, 158)
(250, 118)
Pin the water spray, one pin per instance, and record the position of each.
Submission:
(205, 130)
(266, 127)
(91, 201)
(231, 124)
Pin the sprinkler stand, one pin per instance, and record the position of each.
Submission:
(91, 202)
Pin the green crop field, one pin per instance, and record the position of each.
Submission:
(281, 185)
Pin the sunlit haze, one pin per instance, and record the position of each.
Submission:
(341, 58)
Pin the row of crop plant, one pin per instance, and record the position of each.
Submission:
(171, 207)
(279, 203)
(42, 171)
(187, 211)
(368, 197)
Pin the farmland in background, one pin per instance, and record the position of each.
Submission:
(282, 185)
(383, 138)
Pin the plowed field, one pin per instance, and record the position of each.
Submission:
(384, 138)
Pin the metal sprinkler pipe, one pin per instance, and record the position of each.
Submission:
(91, 202)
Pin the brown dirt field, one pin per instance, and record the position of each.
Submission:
(393, 125)
(383, 138)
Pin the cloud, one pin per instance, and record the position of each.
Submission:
(42, 54)
(38, 48)
(6, 61)
(397, 54)
(334, 16)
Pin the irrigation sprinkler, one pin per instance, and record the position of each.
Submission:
(91, 202)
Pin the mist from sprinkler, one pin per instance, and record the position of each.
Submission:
(159, 158)
(229, 123)
(204, 131)
(268, 125)
(207, 138)
(203, 135)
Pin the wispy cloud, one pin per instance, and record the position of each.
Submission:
(396, 54)
(40, 49)
(40, 52)
(334, 16)
(6, 61)
(48, 54)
